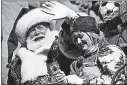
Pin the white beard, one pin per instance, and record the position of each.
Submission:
(43, 43)
(34, 63)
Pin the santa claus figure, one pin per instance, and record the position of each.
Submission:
(33, 31)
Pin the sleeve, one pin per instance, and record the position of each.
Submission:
(54, 51)
(14, 73)
(73, 68)
(58, 76)
(76, 66)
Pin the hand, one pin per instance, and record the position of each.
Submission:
(74, 79)
(101, 80)
(58, 10)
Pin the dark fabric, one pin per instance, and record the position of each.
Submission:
(56, 55)
(14, 74)
(12, 40)
(66, 28)
(110, 27)
(64, 63)
(31, 7)
(85, 24)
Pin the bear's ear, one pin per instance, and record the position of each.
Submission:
(66, 28)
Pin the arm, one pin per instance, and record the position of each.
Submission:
(14, 73)
(59, 10)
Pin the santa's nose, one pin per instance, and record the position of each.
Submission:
(37, 31)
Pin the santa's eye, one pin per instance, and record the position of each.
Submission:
(106, 62)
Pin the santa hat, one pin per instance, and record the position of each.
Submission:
(31, 18)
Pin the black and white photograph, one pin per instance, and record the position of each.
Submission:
(63, 42)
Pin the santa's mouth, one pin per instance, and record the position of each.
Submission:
(38, 38)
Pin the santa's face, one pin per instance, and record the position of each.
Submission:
(82, 40)
(36, 36)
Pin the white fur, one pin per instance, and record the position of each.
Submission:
(33, 63)
(74, 79)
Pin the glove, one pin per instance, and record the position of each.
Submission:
(74, 79)
(58, 10)
(101, 80)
